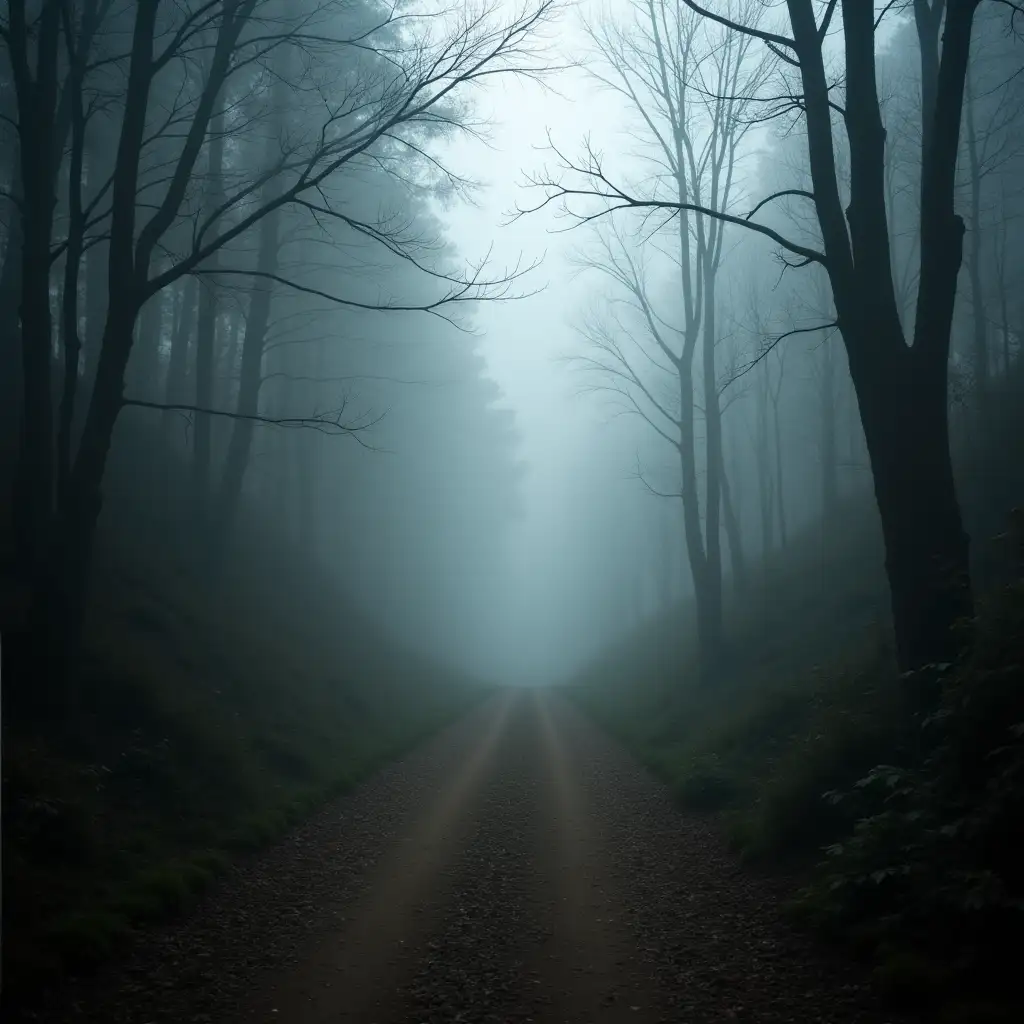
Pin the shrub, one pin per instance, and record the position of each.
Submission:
(706, 784)
(934, 862)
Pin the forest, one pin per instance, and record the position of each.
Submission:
(526, 424)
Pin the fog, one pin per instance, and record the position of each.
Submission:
(451, 452)
(582, 560)
(522, 338)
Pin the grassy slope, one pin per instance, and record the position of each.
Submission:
(808, 662)
(210, 719)
(808, 702)
(811, 704)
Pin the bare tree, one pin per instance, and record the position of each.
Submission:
(901, 383)
(989, 143)
(684, 84)
(388, 84)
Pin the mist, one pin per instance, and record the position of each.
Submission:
(530, 424)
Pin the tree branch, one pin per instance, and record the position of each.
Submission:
(325, 423)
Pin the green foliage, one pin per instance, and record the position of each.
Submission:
(933, 861)
(899, 800)
(848, 724)
(705, 784)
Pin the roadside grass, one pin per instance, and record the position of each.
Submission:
(786, 750)
(804, 699)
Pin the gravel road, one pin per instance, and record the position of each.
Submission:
(519, 867)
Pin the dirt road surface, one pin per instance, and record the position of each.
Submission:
(520, 867)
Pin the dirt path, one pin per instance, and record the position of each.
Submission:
(518, 868)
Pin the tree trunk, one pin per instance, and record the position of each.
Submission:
(907, 431)
(177, 366)
(708, 622)
(980, 360)
(206, 333)
(59, 607)
(250, 380)
(734, 535)
(665, 557)
(98, 169)
(229, 369)
(304, 442)
(828, 447)
(766, 500)
(780, 494)
(59, 602)
(901, 390)
(70, 337)
(144, 364)
(10, 292)
(37, 107)
(713, 497)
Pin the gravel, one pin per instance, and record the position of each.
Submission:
(267, 911)
(711, 931)
(702, 933)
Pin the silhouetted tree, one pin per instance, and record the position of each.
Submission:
(379, 82)
(900, 377)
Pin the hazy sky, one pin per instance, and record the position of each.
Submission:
(579, 462)
(523, 342)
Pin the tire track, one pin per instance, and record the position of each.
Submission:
(356, 974)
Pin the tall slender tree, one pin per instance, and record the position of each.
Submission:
(900, 377)
(685, 85)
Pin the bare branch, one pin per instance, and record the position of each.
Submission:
(770, 347)
(619, 199)
(324, 423)
(771, 38)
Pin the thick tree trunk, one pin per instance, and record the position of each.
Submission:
(37, 106)
(901, 390)
(10, 294)
(906, 424)
(60, 603)
(35, 476)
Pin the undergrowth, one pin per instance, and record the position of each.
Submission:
(211, 716)
(899, 800)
